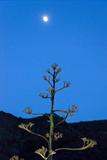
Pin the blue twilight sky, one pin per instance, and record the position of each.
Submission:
(75, 37)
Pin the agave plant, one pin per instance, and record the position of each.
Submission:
(47, 152)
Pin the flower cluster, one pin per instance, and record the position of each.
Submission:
(88, 142)
(43, 153)
(66, 84)
(28, 110)
(44, 95)
(57, 135)
(71, 110)
(26, 127)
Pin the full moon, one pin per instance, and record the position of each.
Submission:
(45, 18)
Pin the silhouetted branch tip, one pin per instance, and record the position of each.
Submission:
(71, 110)
(58, 71)
(48, 79)
(54, 66)
(44, 95)
(27, 110)
(66, 84)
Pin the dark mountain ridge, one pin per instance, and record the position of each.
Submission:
(16, 141)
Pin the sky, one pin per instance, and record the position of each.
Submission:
(75, 37)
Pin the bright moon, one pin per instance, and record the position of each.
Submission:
(45, 18)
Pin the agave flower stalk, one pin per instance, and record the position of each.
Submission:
(51, 118)
(47, 152)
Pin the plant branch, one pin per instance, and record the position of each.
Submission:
(59, 110)
(64, 119)
(89, 144)
(60, 89)
(47, 78)
(49, 83)
(27, 127)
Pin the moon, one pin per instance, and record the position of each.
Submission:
(45, 19)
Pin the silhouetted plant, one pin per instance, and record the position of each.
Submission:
(47, 152)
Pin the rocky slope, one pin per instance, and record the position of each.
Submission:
(15, 141)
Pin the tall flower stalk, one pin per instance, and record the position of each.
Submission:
(47, 152)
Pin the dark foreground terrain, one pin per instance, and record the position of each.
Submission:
(15, 141)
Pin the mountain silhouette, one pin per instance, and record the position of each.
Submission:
(16, 141)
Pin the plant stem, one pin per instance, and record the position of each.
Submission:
(51, 131)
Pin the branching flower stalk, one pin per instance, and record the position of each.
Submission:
(52, 92)
(47, 152)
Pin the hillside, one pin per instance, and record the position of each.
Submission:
(14, 140)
